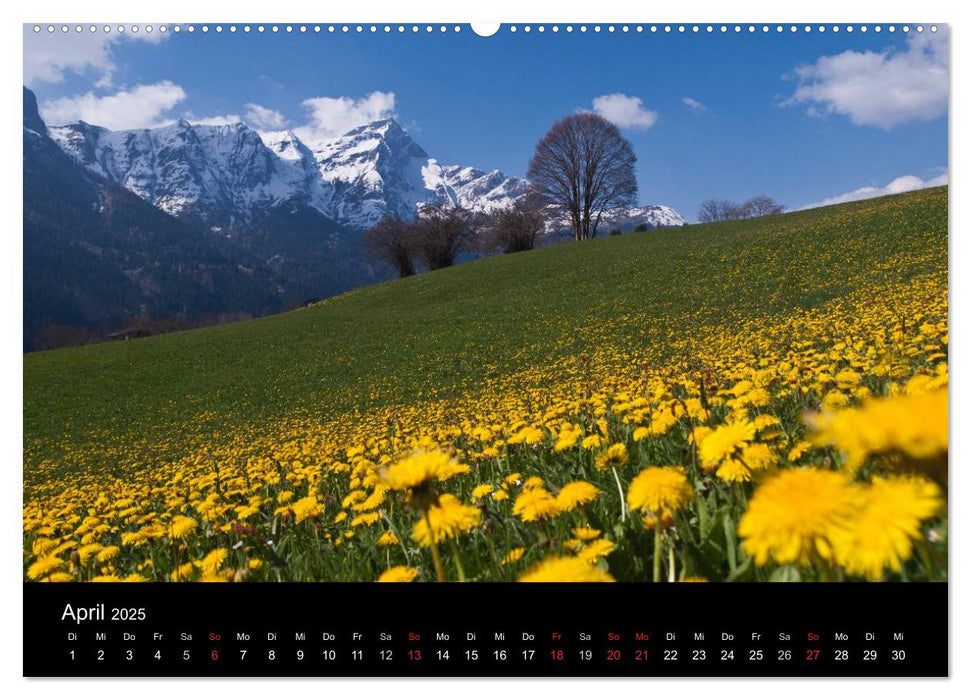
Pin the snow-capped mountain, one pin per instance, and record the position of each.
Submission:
(186, 220)
(373, 170)
(220, 173)
(623, 220)
(231, 175)
(96, 254)
(472, 188)
(651, 217)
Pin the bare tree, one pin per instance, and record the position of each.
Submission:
(725, 210)
(442, 231)
(583, 167)
(516, 228)
(709, 211)
(762, 205)
(393, 241)
(730, 211)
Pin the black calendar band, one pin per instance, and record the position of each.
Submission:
(353, 630)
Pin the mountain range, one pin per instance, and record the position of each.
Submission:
(229, 176)
(188, 219)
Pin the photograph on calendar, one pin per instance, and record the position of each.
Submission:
(410, 303)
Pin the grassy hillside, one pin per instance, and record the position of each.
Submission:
(445, 332)
(755, 400)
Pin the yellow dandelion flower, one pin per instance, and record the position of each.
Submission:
(133, 539)
(180, 526)
(306, 507)
(42, 545)
(914, 425)
(595, 550)
(210, 563)
(513, 555)
(586, 533)
(565, 440)
(797, 513)
(756, 397)
(722, 442)
(245, 512)
(659, 489)
(224, 576)
(44, 566)
(388, 539)
(482, 434)
(565, 569)
(481, 491)
(533, 504)
(740, 388)
(398, 574)
(181, 573)
(640, 433)
(758, 456)
(353, 497)
(733, 471)
(591, 442)
(699, 433)
(574, 494)
(883, 532)
(86, 552)
(533, 482)
(108, 553)
(798, 450)
(420, 468)
(847, 379)
(613, 457)
(835, 399)
(365, 519)
(448, 519)
(663, 422)
(530, 435)
(372, 501)
(764, 421)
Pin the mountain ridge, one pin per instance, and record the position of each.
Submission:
(228, 174)
(95, 253)
(231, 174)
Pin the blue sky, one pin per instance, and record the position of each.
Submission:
(804, 117)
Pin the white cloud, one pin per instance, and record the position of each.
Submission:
(905, 183)
(625, 111)
(139, 107)
(879, 89)
(693, 104)
(334, 116)
(49, 55)
(263, 117)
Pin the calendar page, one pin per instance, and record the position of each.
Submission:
(621, 348)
